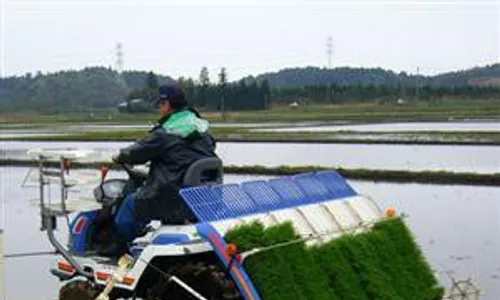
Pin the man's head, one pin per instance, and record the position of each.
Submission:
(171, 98)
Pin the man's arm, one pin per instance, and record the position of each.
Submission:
(144, 150)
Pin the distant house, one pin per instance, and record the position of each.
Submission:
(134, 105)
(123, 107)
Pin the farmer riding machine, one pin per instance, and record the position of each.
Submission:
(190, 261)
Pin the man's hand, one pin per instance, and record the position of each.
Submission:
(115, 158)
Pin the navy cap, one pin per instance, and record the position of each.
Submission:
(173, 94)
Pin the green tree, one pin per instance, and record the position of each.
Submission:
(204, 77)
(223, 77)
(266, 94)
(223, 91)
(151, 80)
(202, 95)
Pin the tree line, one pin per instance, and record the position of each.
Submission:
(246, 94)
(253, 94)
(332, 93)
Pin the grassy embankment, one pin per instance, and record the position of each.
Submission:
(382, 263)
(231, 134)
(432, 177)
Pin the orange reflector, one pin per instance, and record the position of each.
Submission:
(64, 266)
(390, 212)
(104, 276)
(232, 250)
(80, 224)
(128, 281)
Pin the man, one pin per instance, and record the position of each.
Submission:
(180, 138)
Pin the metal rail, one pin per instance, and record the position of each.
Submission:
(48, 219)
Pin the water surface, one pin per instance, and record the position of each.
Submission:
(464, 158)
(399, 126)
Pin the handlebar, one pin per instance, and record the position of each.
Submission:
(133, 174)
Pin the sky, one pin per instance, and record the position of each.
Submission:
(247, 37)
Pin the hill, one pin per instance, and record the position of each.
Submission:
(95, 87)
(299, 77)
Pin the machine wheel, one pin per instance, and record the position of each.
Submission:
(208, 280)
(464, 290)
(78, 290)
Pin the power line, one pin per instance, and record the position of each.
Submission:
(119, 66)
(119, 58)
(329, 50)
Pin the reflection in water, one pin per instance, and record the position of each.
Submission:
(478, 159)
(39, 130)
(456, 226)
(401, 126)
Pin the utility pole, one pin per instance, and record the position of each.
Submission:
(119, 65)
(418, 84)
(119, 72)
(329, 50)
(119, 58)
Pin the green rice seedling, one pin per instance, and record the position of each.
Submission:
(376, 283)
(247, 236)
(384, 263)
(395, 265)
(409, 249)
(269, 270)
(339, 272)
(307, 273)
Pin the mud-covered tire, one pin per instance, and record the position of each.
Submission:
(208, 280)
(78, 290)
